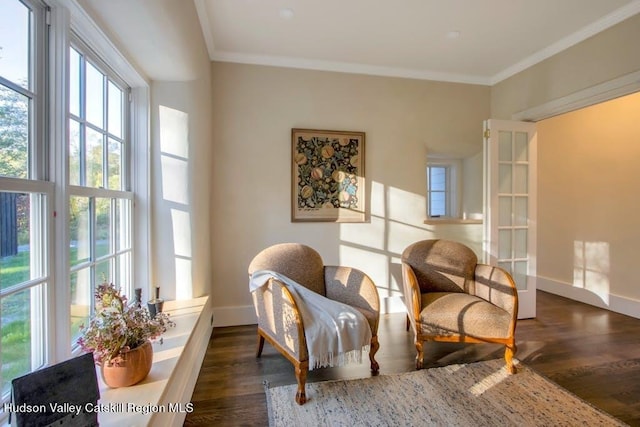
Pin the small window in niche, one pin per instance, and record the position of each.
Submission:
(442, 194)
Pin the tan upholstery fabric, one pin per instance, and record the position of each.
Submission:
(450, 297)
(279, 319)
(441, 265)
(298, 262)
(446, 313)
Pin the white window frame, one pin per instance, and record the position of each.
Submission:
(50, 175)
(453, 191)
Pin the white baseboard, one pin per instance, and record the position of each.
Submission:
(246, 314)
(612, 302)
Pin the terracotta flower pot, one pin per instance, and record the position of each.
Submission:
(133, 368)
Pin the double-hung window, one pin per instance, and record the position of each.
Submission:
(99, 182)
(442, 188)
(67, 153)
(26, 195)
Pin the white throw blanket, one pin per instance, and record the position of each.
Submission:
(336, 333)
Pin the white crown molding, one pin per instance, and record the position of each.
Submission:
(607, 21)
(205, 23)
(346, 67)
(621, 86)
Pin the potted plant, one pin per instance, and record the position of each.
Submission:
(119, 335)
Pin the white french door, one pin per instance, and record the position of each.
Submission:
(510, 152)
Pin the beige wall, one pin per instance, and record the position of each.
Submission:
(608, 55)
(587, 170)
(588, 175)
(254, 109)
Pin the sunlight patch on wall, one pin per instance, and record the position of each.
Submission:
(591, 268)
(370, 235)
(375, 265)
(174, 171)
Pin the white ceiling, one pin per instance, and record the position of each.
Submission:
(404, 38)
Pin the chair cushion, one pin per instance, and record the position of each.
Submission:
(448, 314)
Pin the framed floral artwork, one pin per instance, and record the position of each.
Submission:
(328, 182)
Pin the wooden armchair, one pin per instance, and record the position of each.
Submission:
(450, 297)
(279, 318)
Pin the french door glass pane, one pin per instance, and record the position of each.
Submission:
(79, 230)
(504, 178)
(521, 179)
(504, 147)
(520, 211)
(81, 297)
(520, 274)
(94, 159)
(520, 243)
(504, 244)
(14, 62)
(94, 95)
(504, 211)
(521, 147)
(14, 134)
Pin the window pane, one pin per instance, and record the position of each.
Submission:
(103, 227)
(505, 211)
(14, 134)
(95, 96)
(504, 244)
(504, 179)
(74, 82)
(103, 272)
(81, 297)
(115, 164)
(22, 325)
(94, 159)
(504, 146)
(123, 224)
(74, 152)
(115, 110)
(438, 179)
(437, 204)
(14, 27)
(15, 254)
(123, 274)
(521, 179)
(521, 147)
(79, 223)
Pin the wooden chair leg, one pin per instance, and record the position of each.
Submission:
(301, 376)
(373, 349)
(260, 345)
(419, 356)
(509, 352)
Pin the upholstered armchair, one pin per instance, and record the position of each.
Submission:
(450, 297)
(279, 317)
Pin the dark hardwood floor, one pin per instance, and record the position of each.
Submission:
(591, 352)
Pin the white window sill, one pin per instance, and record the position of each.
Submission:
(436, 221)
(143, 404)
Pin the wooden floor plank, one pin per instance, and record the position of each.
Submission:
(593, 353)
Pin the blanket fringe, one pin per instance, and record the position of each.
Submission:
(331, 360)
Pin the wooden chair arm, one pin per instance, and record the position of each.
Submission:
(412, 296)
(280, 318)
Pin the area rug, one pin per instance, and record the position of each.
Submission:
(474, 394)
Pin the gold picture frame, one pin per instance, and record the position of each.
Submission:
(327, 181)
